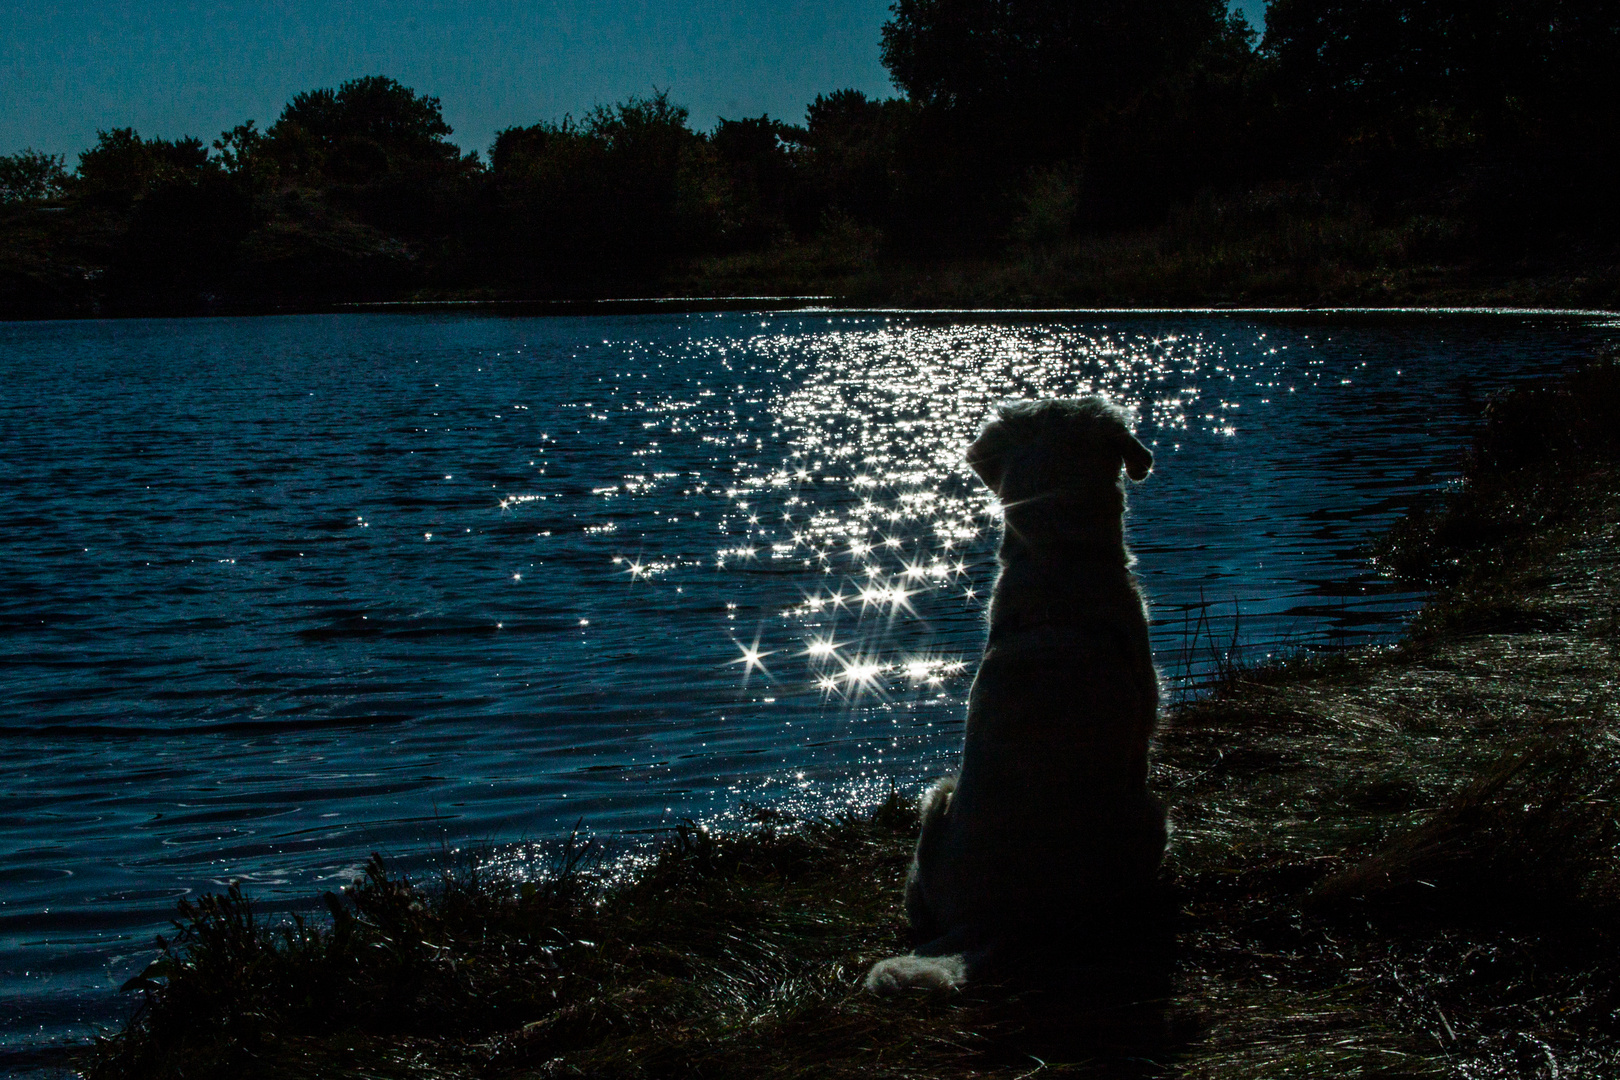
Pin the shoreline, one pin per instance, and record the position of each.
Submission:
(833, 305)
(1399, 861)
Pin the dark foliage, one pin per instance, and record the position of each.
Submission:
(1454, 70)
(364, 128)
(390, 959)
(1535, 441)
(31, 177)
(573, 206)
(1504, 113)
(852, 159)
(518, 972)
(1569, 425)
(1526, 844)
(122, 167)
(757, 158)
(1111, 151)
(181, 242)
(1049, 68)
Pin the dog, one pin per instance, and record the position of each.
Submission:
(1046, 841)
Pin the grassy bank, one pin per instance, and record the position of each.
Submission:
(1270, 247)
(1398, 863)
(1273, 246)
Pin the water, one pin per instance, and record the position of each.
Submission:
(278, 593)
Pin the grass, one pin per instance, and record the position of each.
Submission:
(1400, 863)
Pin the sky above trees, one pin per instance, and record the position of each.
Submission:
(174, 69)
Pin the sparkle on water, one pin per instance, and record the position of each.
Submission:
(862, 483)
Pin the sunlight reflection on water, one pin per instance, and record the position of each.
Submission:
(861, 494)
(873, 493)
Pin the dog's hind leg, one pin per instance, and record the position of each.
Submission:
(943, 963)
(936, 807)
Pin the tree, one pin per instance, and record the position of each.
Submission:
(1487, 69)
(1512, 104)
(364, 128)
(615, 194)
(516, 148)
(241, 152)
(759, 165)
(183, 217)
(1198, 128)
(1007, 91)
(123, 167)
(31, 176)
(1042, 64)
(372, 152)
(651, 178)
(853, 151)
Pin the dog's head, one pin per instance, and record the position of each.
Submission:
(1038, 448)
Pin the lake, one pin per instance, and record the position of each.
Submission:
(281, 592)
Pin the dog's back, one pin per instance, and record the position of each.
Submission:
(1050, 814)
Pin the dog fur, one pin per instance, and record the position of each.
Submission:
(1030, 854)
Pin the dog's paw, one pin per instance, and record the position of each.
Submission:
(916, 972)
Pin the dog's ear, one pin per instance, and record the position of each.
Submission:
(1138, 458)
(988, 454)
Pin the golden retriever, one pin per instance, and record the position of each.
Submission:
(1047, 830)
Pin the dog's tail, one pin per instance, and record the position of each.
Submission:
(936, 804)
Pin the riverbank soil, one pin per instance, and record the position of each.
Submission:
(1399, 863)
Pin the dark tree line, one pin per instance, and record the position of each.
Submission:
(1022, 122)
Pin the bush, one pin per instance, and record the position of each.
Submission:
(31, 176)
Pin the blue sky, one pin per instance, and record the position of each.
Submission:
(173, 69)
